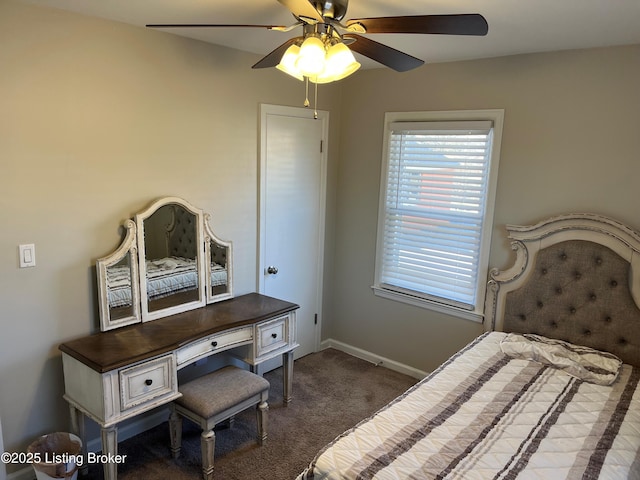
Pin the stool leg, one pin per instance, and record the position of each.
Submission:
(207, 445)
(262, 411)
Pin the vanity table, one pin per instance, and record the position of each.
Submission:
(115, 375)
(166, 301)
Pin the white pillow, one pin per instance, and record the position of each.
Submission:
(581, 362)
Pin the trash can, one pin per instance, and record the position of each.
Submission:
(56, 455)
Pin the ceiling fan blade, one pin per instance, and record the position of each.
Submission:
(303, 9)
(212, 25)
(459, 24)
(272, 59)
(392, 58)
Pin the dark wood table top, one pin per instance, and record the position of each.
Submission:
(113, 349)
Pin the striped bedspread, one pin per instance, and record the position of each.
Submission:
(486, 415)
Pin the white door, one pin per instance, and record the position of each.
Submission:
(292, 196)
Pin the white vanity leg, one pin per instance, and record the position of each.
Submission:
(287, 381)
(175, 432)
(77, 428)
(255, 369)
(110, 448)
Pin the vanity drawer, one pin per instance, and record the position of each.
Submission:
(272, 335)
(146, 381)
(213, 343)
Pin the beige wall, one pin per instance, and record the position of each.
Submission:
(570, 144)
(97, 120)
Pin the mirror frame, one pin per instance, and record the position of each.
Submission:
(148, 315)
(209, 237)
(134, 245)
(127, 247)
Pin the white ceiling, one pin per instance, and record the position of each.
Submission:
(515, 26)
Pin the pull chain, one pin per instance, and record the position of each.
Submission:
(315, 103)
(306, 92)
(315, 97)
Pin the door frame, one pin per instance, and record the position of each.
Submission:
(304, 113)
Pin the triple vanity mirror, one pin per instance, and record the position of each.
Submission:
(170, 261)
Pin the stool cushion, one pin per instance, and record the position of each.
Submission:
(217, 391)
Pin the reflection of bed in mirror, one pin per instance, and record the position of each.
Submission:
(165, 276)
(175, 260)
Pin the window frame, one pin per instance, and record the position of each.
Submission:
(496, 116)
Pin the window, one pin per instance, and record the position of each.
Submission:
(436, 208)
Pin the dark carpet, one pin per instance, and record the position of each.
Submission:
(332, 392)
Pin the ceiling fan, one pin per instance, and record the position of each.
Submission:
(322, 25)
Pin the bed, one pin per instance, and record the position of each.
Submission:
(549, 391)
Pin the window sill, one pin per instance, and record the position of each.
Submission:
(428, 304)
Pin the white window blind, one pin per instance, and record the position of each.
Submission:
(435, 205)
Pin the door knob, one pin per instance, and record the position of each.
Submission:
(272, 270)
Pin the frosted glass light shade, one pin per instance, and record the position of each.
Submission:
(311, 58)
(339, 64)
(288, 62)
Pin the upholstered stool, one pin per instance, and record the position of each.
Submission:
(214, 398)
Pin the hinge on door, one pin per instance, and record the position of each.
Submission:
(321, 145)
(315, 319)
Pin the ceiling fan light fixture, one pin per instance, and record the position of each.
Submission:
(339, 64)
(288, 62)
(311, 59)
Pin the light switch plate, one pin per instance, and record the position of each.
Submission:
(27, 255)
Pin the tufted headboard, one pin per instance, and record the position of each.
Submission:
(181, 234)
(576, 278)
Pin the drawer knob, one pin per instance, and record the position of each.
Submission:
(214, 344)
(148, 381)
(274, 335)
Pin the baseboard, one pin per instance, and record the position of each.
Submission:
(373, 358)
